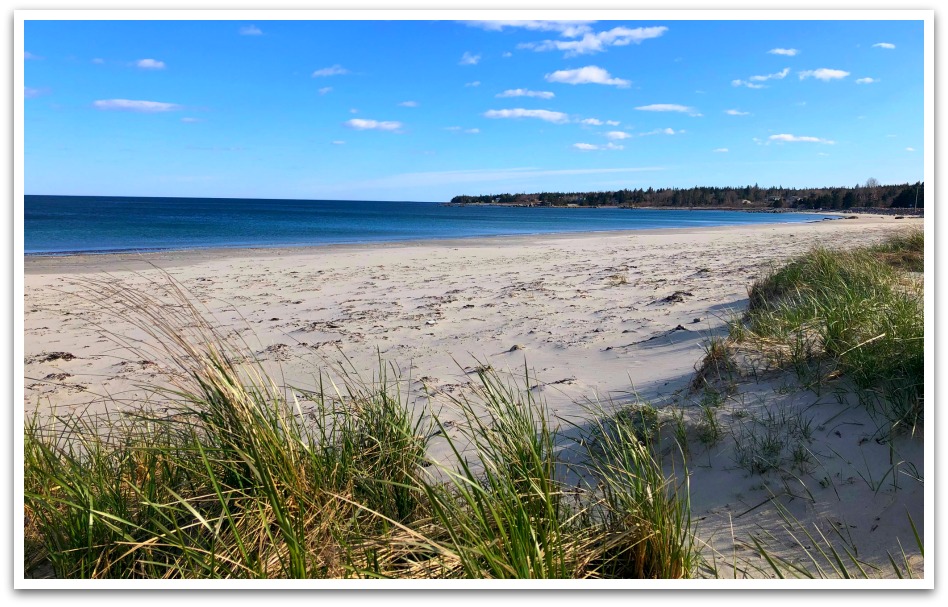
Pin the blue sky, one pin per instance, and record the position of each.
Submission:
(425, 110)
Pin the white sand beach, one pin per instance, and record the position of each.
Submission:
(615, 316)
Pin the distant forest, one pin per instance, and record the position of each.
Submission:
(869, 195)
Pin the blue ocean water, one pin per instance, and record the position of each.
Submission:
(97, 224)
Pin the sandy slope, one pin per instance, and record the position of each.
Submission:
(607, 314)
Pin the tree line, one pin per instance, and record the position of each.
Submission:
(869, 195)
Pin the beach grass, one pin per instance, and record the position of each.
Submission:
(855, 314)
(227, 474)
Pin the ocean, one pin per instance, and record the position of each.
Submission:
(58, 225)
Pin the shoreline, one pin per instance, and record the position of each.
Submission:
(89, 261)
(616, 318)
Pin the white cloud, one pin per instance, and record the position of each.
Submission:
(469, 59)
(98, 61)
(586, 75)
(150, 64)
(334, 70)
(824, 74)
(547, 115)
(789, 52)
(589, 147)
(526, 93)
(775, 76)
(748, 84)
(618, 135)
(131, 105)
(909, 149)
(720, 150)
(457, 129)
(597, 42)
(569, 29)
(324, 90)
(612, 122)
(361, 124)
(883, 45)
(592, 121)
(339, 142)
(475, 83)
(190, 120)
(669, 107)
(867, 80)
(30, 92)
(751, 82)
(353, 111)
(666, 131)
(28, 55)
(250, 30)
(507, 54)
(736, 113)
(794, 138)
(409, 104)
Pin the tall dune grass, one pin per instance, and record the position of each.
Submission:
(850, 313)
(239, 477)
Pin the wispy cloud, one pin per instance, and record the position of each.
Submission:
(720, 150)
(775, 76)
(866, 80)
(590, 147)
(547, 115)
(597, 42)
(475, 83)
(909, 149)
(98, 61)
(526, 93)
(750, 85)
(753, 81)
(568, 28)
(457, 129)
(132, 105)
(666, 131)
(334, 70)
(28, 56)
(590, 74)
(736, 113)
(883, 45)
(190, 120)
(825, 74)
(618, 135)
(250, 30)
(794, 139)
(469, 59)
(150, 64)
(597, 122)
(362, 124)
(408, 104)
(789, 52)
(324, 90)
(669, 107)
(30, 92)
(338, 142)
